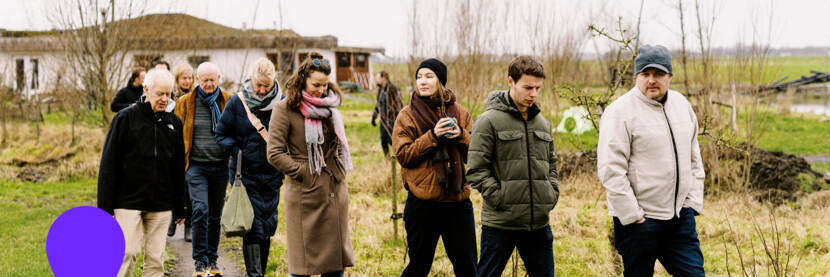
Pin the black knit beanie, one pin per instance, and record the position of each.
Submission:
(436, 66)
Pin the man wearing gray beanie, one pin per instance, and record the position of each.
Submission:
(649, 162)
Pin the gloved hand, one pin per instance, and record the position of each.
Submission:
(373, 122)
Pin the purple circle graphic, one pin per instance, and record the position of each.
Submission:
(85, 241)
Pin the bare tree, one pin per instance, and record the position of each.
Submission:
(94, 46)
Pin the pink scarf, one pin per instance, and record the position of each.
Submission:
(315, 109)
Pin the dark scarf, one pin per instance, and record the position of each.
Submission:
(211, 102)
(448, 160)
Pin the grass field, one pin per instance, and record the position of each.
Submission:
(580, 223)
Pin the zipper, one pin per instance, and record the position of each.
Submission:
(676, 162)
(529, 174)
(155, 152)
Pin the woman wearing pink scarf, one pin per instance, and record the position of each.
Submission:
(307, 143)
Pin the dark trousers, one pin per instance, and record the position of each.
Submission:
(426, 221)
(264, 250)
(385, 140)
(535, 248)
(674, 242)
(207, 184)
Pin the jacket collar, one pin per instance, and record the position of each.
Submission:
(507, 105)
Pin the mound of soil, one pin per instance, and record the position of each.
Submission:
(576, 163)
(774, 175)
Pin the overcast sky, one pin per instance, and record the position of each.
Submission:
(795, 23)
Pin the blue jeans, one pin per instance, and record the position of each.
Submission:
(207, 184)
(330, 274)
(535, 248)
(674, 242)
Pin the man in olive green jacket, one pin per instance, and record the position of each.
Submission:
(512, 164)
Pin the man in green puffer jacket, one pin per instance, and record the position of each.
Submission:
(512, 164)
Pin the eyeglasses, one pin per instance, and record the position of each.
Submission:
(317, 62)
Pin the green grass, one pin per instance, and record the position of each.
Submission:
(794, 134)
(28, 211)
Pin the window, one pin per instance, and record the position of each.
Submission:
(21, 79)
(35, 84)
(274, 58)
(360, 60)
(344, 59)
(146, 60)
(286, 62)
(195, 61)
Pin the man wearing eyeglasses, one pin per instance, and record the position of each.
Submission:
(205, 165)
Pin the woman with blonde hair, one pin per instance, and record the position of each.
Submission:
(185, 77)
(307, 142)
(246, 137)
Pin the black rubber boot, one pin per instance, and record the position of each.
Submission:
(253, 265)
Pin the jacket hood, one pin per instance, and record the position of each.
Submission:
(499, 100)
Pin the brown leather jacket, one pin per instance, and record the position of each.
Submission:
(413, 149)
(186, 111)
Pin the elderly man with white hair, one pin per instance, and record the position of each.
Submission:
(206, 164)
(141, 172)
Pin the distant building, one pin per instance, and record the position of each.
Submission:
(30, 59)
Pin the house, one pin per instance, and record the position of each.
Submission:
(30, 59)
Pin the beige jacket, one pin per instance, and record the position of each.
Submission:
(648, 158)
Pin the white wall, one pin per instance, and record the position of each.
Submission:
(48, 65)
(234, 65)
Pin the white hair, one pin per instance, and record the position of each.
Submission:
(160, 74)
(265, 68)
(208, 65)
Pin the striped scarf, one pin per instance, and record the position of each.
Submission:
(315, 109)
(210, 100)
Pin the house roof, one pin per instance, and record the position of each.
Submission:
(176, 32)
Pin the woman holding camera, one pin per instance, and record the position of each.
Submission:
(430, 138)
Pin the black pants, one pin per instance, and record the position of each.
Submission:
(426, 221)
(385, 140)
(674, 242)
(535, 248)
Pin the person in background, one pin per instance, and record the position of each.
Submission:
(184, 78)
(389, 104)
(129, 95)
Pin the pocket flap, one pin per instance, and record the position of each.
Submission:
(543, 136)
(510, 135)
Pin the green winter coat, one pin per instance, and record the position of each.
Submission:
(512, 163)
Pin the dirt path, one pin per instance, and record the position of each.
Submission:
(184, 264)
